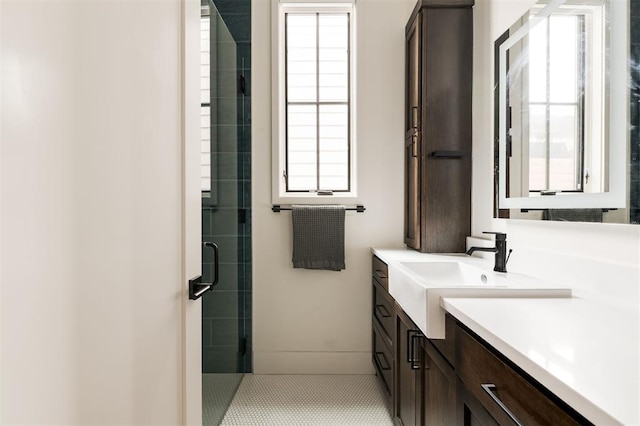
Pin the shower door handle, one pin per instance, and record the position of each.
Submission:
(196, 287)
(216, 261)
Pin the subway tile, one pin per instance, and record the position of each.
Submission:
(225, 332)
(227, 138)
(207, 275)
(228, 109)
(228, 277)
(206, 332)
(206, 221)
(244, 52)
(227, 191)
(227, 166)
(220, 359)
(221, 304)
(224, 221)
(227, 247)
(245, 141)
(239, 26)
(226, 7)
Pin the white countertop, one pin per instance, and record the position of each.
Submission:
(585, 351)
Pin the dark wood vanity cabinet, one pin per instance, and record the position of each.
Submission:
(459, 380)
(407, 398)
(439, 46)
(495, 391)
(438, 381)
(383, 323)
(425, 380)
(471, 411)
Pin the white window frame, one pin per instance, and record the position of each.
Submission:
(279, 191)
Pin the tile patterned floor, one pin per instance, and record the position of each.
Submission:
(217, 393)
(308, 400)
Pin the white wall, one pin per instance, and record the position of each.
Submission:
(311, 321)
(589, 257)
(319, 321)
(90, 228)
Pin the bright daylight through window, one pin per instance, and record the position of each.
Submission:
(315, 92)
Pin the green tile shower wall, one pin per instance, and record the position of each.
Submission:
(226, 311)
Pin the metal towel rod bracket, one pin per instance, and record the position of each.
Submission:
(277, 208)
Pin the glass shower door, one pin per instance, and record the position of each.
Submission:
(225, 309)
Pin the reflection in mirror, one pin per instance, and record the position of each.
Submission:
(555, 94)
(558, 157)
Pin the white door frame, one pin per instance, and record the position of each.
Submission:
(191, 214)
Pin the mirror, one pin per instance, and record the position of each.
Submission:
(562, 114)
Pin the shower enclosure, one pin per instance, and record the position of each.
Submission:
(226, 200)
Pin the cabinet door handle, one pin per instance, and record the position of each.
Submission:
(383, 311)
(414, 117)
(415, 361)
(490, 388)
(386, 365)
(412, 359)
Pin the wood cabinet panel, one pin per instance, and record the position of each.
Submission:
(439, 47)
(380, 272)
(382, 357)
(438, 388)
(484, 373)
(383, 327)
(469, 410)
(407, 396)
(384, 310)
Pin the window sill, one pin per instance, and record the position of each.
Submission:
(312, 198)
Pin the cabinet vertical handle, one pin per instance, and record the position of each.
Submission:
(414, 117)
(412, 359)
(415, 362)
(490, 388)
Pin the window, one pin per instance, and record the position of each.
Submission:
(205, 103)
(556, 104)
(313, 121)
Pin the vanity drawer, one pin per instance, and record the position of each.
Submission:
(494, 381)
(380, 272)
(383, 308)
(382, 357)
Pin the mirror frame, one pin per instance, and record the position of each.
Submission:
(616, 112)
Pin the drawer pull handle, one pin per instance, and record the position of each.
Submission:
(383, 311)
(380, 275)
(386, 365)
(490, 389)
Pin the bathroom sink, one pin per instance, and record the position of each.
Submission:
(454, 274)
(419, 286)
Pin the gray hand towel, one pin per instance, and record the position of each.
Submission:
(573, 215)
(318, 237)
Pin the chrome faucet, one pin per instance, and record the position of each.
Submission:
(500, 250)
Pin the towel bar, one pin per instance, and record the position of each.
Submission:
(277, 208)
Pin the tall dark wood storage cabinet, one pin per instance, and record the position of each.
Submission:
(439, 48)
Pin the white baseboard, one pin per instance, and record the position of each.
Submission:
(312, 363)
